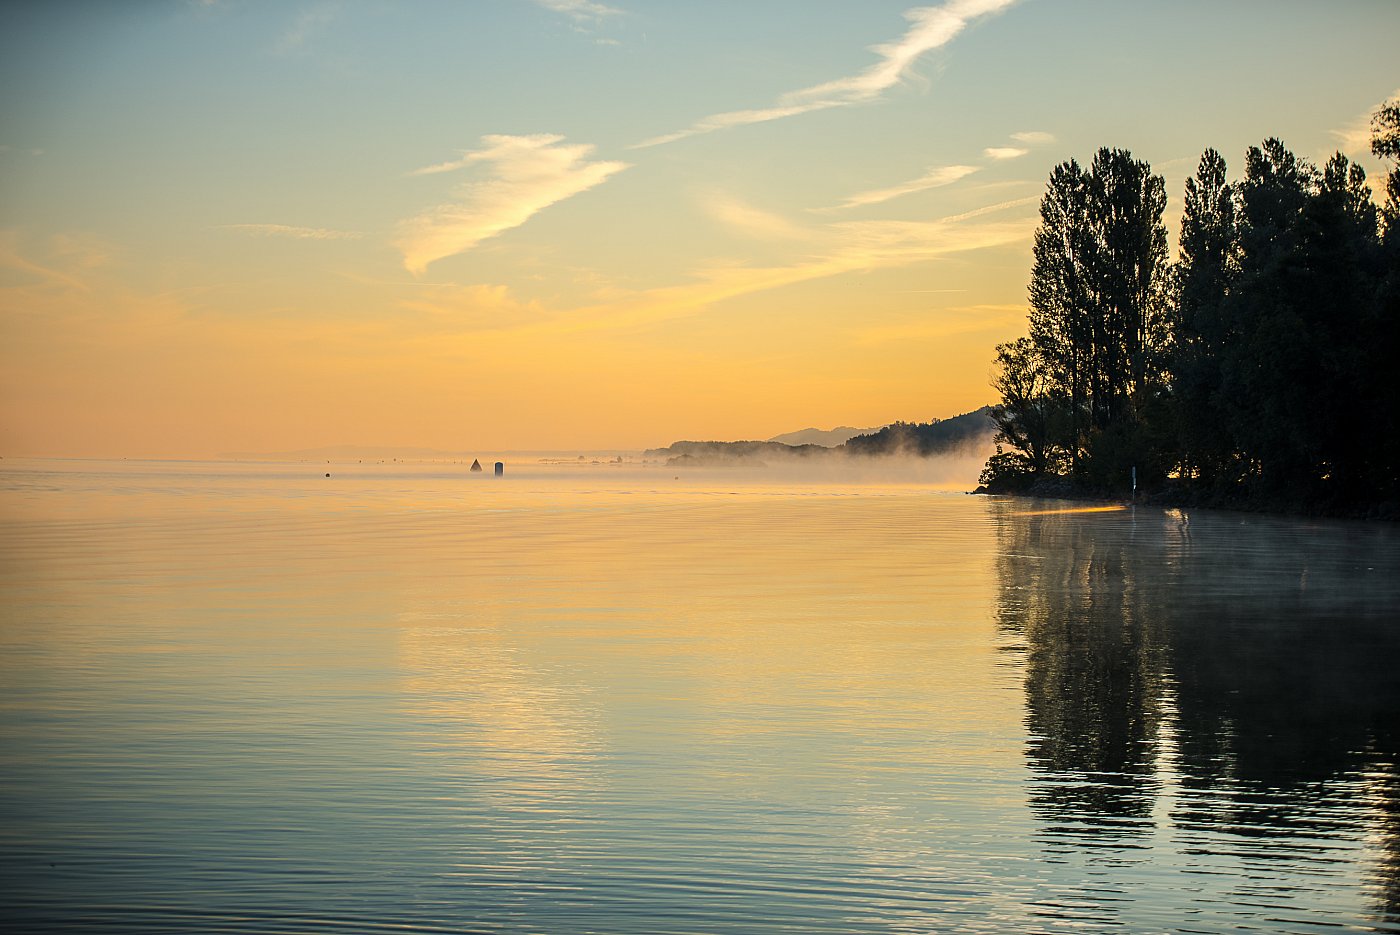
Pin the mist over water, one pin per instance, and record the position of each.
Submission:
(957, 469)
(631, 698)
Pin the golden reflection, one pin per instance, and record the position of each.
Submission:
(745, 634)
(487, 711)
(1181, 680)
(1107, 508)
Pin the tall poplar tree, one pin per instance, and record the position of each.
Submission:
(1385, 336)
(1098, 307)
(1208, 266)
(1126, 202)
(1063, 304)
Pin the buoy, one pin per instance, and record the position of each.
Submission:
(476, 465)
(500, 468)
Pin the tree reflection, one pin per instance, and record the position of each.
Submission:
(1093, 673)
(1246, 663)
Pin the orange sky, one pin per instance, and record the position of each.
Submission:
(556, 225)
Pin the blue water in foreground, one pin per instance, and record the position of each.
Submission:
(593, 698)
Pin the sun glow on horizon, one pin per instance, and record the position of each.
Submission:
(318, 237)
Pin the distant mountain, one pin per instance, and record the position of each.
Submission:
(830, 438)
(927, 438)
(708, 454)
(941, 436)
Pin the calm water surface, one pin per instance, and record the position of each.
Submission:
(250, 698)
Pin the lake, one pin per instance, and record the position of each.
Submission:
(614, 698)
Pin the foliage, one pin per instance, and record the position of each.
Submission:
(1007, 472)
(1254, 370)
(1033, 415)
(925, 438)
(1098, 324)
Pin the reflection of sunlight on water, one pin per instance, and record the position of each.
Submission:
(526, 738)
(636, 699)
(1107, 508)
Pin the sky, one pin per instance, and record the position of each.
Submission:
(237, 226)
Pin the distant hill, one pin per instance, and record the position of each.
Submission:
(829, 438)
(927, 438)
(941, 436)
(706, 454)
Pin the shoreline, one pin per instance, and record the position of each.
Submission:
(1168, 498)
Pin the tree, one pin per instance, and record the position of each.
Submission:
(1030, 414)
(1385, 143)
(1299, 373)
(1125, 211)
(1208, 266)
(1063, 305)
(1264, 367)
(1385, 334)
(1098, 322)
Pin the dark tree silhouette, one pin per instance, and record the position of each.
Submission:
(1257, 371)
(1098, 325)
(1032, 417)
(1209, 264)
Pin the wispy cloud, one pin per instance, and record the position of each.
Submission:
(832, 250)
(579, 10)
(67, 259)
(1001, 153)
(930, 28)
(992, 209)
(739, 118)
(1033, 137)
(527, 175)
(936, 177)
(1354, 139)
(453, 308)
(287, 230)
(754, 222)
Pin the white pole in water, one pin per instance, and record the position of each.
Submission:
(1134, 481)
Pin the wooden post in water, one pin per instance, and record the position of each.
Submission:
(500, 468)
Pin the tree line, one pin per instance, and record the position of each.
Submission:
(1255, 370)
(925, 439)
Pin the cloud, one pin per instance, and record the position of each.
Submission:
(64, 260)
(300, 233)
(992, 209)
(752, 221)
(1033, 137)
(448, 308)
(452, 165)
(1004, 152)
(527, 175)
(738, 118)
(1355, 138)
(936, 177)
(829, 250)
(930, 28)
(579, 9)
(833, 250)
